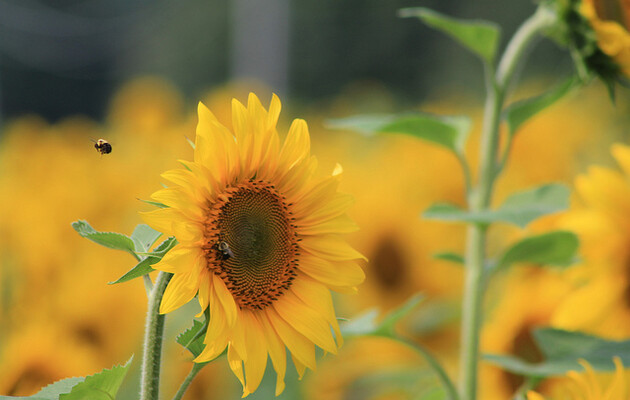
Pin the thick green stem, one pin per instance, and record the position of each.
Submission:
(191, 375)
(153, 336)
(481, 196)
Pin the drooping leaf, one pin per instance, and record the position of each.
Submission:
(447, 131)
(519, 209)
(518, 113)
(112, 240)
(362, 324)
(562, 350)
(192, 338)
(145, 265)
(144, 236)
(449, 256)
(557, 248)
(103, 385)
(55, 389)
(480, 37)
(386, 327)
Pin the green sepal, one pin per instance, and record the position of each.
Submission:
(562, 350)
(519, 209)
(480, 37)
(366, 323)
(192, 338)
(100, 386)
(518, 113)
(449, 256)
(446, 131)
(144, 266)
(154, 203)
(112, 240)
(556, 248)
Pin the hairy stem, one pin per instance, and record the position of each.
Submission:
(153, 336)
(480, 197)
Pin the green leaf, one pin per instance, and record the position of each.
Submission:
(562, 350)
(112, 240)
(518, 113)
(480, 37)
(192, 338)
(554, 248)
(447, 131)
(144, 236)
(366, 323)
(519, 209)
(449, 256)
(103, 385)
(144, 266)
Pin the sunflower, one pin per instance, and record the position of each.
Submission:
(587, 386)
(258, 242)
(610, 19)
(599, 216)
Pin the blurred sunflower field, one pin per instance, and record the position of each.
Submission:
(367, 93)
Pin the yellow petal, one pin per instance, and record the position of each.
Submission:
(330, 247)
(299, 367)
(177, 198)
(236, 364)
(317, 296)
(274, 111)
(297, 145)
(204, 290)
(336, 225)
(337, 274)
(256, 352)
(531, 395)
(162, 219)
(337, 206)
(181, 259)
(299, 346)
(305, 320)
(276, 349)
(180, 290)
(226, 299)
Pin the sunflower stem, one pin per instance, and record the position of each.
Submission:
(479, 199)
(153, 336)
(191, 375)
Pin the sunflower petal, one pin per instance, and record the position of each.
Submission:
(180, 290)
(226, 299)
(305, 320)
(256, 353)
(346, 273)
(299, 346)
(276, 349)
(297, 145)
(330, 247)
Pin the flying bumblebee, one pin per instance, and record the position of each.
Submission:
(224, 250)
(102, 146)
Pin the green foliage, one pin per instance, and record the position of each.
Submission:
(144, 266)
(554, 248)
(154, 203)
(480, 37)
(101, 386)
(144, 236)
(366, 323)
(112, 240)
(519, 209)
(447, 131)
(518, 113)
(449, 256)
(192, 338)
(562, 349)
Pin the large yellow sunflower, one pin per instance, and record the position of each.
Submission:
(258, 242)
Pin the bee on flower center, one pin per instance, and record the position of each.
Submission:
(224, 250)
(102, 146)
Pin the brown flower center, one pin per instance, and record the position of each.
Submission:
(251, 243)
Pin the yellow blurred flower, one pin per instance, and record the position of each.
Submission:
(610, 20)
(258, 242)
(587, 385)
(599, 216)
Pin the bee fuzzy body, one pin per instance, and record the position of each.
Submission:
(103, 146)
(224, 250)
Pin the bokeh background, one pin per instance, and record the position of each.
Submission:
(132, 72)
